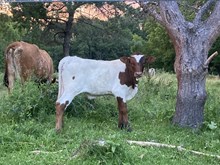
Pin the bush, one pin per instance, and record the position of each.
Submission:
(156, 96)
(105, 152)
(29, 101)
(212, 110)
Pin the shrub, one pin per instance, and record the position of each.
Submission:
(156, 96)
(105, 152)
(29, 101)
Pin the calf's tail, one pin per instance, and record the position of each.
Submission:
(59, 79)
(61, 67)
(5, 81)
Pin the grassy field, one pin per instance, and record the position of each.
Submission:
(27, 134)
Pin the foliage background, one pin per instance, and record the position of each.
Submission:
(28, 120)
(93, 38)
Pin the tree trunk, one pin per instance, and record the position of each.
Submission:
(192, 41)
(71, 8)
(191, 73)
(68, 33)
(191, 97)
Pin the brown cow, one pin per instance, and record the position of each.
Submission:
(24, 61)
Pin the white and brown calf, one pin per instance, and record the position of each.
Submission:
(95, 77)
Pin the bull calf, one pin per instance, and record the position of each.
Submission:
(96, 77)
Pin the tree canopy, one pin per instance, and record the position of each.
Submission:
(9, 32)
(122, 34)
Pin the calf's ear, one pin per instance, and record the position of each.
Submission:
(125, 59)
(150, 59)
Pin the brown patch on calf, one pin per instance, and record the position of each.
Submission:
(59, 115)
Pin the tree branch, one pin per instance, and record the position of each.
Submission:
(201, 12)
(171, 15)
(179, 148)
(151, 7)
(55, 37)
(212, 25)
(90, 24)
(167, 13)
(54, 19)
(206, 64)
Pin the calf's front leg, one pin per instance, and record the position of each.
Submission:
(123, 114)
(59, 115)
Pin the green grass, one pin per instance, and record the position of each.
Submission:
(28, 120)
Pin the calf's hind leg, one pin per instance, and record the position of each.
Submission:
(61, 105)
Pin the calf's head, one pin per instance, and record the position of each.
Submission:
(134, 64)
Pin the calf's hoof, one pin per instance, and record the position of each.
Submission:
(125, 126)
(129, 129)
(58, 130)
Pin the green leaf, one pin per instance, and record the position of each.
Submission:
(113, 149)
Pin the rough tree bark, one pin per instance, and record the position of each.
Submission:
(192, 41)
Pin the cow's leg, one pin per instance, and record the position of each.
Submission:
(61, 105)
(59, 114)
(123, 114)
(11, 79)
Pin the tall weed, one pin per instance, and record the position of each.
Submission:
(104, 152)
(156, 96)
(29, 101)
(212, 108)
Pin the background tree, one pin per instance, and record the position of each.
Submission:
(192, 41)
(57, 17)
(155, 41)
(215, 64)
(91, 38)
(97, 39)
(33, 19)
(9, 33)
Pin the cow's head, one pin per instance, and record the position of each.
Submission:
(134, 69)
(135, 64)
(132, 66)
